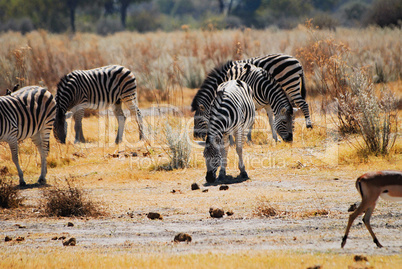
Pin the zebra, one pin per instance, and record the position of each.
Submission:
(28, 113)
(232, 112)
(284, 69)
(97, 88)
(268, 95)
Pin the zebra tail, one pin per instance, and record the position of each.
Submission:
(302, 86)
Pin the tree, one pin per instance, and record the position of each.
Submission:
(124, 4)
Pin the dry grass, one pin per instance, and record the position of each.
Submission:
(9, 195)
(68, 201)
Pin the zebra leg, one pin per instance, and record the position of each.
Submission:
(121, 119)
(79, 135)
(134, 110)
(249, 134)
(239, 150)
(14, 153)
(41, 140)
(224, 154)
(270, 115)
(305, 108)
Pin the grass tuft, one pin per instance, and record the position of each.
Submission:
(68, 201)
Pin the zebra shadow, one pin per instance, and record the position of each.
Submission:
(228, 180)
(32, 186)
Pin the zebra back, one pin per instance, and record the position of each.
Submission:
(285, 69)
(95, 88)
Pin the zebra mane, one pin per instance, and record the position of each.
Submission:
(208, 88)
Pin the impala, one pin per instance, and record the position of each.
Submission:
(387, 184)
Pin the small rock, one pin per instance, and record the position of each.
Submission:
(224, 188)
(20, 238)
(195, 186)
(154, 215)
(336, 178)
(182, 237)
(8, 238)
(62, 237)
(315, 267)
(54, 238)
(70, 242)
(360, 258)
(229, 213)
(216, 212)
(205, 190)
(70, 224)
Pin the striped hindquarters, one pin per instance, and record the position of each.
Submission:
(29, 111)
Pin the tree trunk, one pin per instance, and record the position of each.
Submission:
(123, 12)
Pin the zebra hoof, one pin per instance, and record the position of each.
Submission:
(42, 181)
(22, 184)
(210, 177)
(309, 126)
(244, 175)
(221, 177)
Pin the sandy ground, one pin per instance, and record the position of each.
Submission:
(297, 227)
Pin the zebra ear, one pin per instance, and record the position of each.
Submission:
(248, 67)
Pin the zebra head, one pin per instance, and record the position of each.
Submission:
(283, 124)
(60, 127)
(213, 157)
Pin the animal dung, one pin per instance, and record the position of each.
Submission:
(20, 238)
(70, 224)
(360, 258)
(224, 188)
(70, 242)
(195, 186)
(229, 213)
(182, 237)
(154, 215)
(216, 212)
(7, 239)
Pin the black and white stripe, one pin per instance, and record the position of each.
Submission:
(284, 69)
(232, 113)
(28, 113)
(97, 88)
(267, 94)
(288, 72)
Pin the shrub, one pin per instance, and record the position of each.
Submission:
(325, 21)
(179, 147)
(9, 195)
(376, 116)
(264, 208)
(67, 201)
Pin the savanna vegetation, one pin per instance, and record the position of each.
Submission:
(354, 84)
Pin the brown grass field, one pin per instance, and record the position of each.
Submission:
(309, 183)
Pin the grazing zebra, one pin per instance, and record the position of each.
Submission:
(288, 72)
(28, 113)
(284, 69)
(97, 88)
(267, 94)
(232, 113)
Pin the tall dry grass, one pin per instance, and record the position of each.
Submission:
(41, 57)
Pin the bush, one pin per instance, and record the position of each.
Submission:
(375, 116)
(179, 147)
(325, 21)
(9, 195)
(108, 26)
(68, 201)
